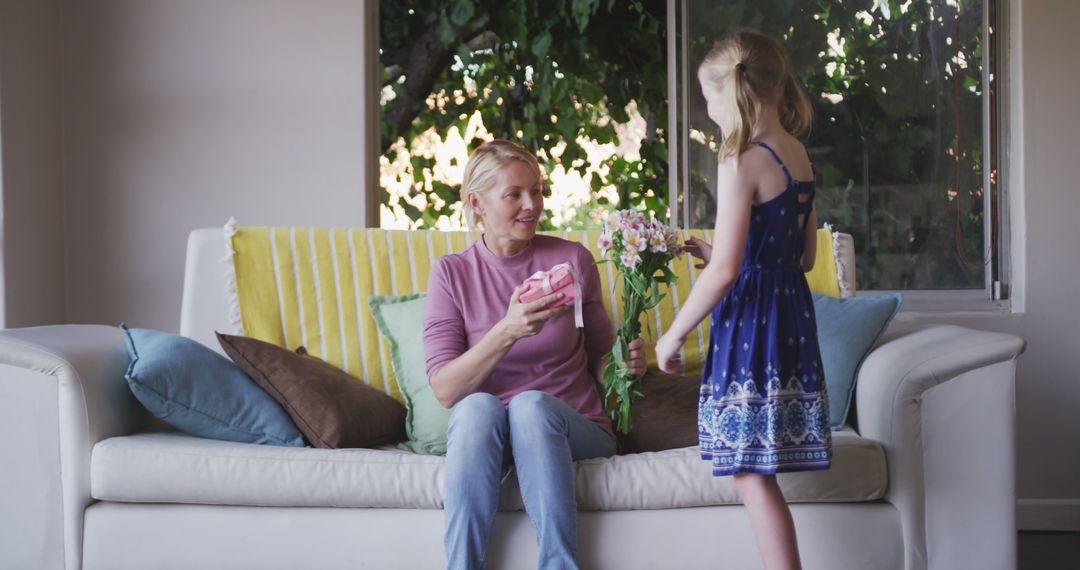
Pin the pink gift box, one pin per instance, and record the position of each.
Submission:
(559, 279)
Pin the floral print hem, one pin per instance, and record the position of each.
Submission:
(744, 432)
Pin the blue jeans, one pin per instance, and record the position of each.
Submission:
(543, 436)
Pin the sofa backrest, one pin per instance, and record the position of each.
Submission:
(207, 304)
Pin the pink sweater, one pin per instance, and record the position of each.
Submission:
(468, 292)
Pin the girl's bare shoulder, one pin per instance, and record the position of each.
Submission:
(796, 158)
(737, 178)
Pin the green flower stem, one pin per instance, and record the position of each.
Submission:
(617, 378)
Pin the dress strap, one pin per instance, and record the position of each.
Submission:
(777, 159)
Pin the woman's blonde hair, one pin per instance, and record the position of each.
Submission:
(484, 165)
(759, 68)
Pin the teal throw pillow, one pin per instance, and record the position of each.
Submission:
(199, 391)
(401, 320)
(847, 330)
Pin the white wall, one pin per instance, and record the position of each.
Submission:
(179, 114)
(1045, 127)
(1048, 400)
(31, 263)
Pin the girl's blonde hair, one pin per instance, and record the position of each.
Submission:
(759, 69)
(484, 165)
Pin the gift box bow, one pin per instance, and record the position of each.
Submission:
(562, 278)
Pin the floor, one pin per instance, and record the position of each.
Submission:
(1049, 551)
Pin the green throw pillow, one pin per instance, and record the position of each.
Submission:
(401, 320)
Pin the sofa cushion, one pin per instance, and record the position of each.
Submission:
(332, 409)
(665, 415)
(847, 330)
(401, 322)
(169, 467)
(199, 391)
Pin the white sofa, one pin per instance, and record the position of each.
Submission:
(924, 480)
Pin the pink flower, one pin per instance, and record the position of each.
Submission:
(673, 243)
(629, 220)
(658, 242)
(636, 240)
(604, 243)
(630, 260)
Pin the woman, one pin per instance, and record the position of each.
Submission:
(521, 378)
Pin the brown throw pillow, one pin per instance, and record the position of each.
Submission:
(665, 416)
(331, 408)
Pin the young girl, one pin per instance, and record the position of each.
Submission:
(763, 407)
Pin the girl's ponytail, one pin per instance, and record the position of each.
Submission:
(749, 107)
(796, 113)
(757, 70)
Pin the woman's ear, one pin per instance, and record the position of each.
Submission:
(474, 203)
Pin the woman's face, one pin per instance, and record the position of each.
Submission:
(511, 209)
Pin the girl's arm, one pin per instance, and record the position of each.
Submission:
(734, 197)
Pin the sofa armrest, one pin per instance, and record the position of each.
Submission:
(62, 390)
(941, 401)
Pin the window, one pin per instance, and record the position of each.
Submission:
(905, 137)
(906, 140)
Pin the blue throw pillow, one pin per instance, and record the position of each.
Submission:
(201, 392)
(847, 330)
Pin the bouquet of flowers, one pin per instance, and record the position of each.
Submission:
(641, 250)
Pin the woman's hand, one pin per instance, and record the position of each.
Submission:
(636, 363)
(667, 354)
(699, 249)
(528, 319)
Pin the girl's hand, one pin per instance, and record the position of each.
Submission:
(699, 249)
(667, 354)
(636, 363)
(528, 319)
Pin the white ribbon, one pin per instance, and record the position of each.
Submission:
(579, 320)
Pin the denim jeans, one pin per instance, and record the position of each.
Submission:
(543, 436)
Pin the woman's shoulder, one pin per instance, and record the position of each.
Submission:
(452, 263)
(550, 243)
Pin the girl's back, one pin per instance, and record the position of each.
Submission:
(771, 179)
(782, 229)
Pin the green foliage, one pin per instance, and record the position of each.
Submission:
(899, 158)
(905, 133)
(543, 72)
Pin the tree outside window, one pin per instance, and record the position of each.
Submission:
(897, 88)
(583, 83)
(897, 141)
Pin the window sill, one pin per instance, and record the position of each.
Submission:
(938, 303)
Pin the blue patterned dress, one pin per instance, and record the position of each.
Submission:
(763, 406)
